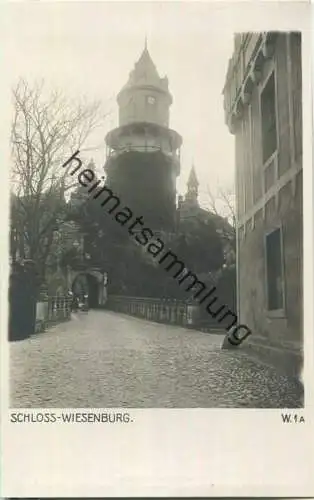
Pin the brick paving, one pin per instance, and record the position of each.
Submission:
(103, 359)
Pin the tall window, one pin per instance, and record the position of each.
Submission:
(274, 270)
(269, 126)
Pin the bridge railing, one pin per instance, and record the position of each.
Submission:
(51, 310)
(153, 309)
(176, 312)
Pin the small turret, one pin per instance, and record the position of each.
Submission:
(192, 184)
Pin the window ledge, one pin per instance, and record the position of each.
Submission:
(276, 313)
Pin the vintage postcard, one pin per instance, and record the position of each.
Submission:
(157, 250)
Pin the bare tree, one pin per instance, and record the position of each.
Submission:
(222, 203)
(47, 128)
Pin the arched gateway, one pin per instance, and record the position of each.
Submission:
(90, 282)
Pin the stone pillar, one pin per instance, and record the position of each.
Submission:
(192, 314)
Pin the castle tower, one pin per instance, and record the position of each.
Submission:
(143, 153)
(188, 205)
(191, 196)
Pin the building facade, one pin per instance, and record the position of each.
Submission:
(263, 109)
(143, 153)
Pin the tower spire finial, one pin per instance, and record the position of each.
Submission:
(145, 45)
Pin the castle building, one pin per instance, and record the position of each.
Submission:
(143, 153)
(263, 109)
(190, 211)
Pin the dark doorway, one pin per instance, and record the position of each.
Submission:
(93, 287)
(87, 284)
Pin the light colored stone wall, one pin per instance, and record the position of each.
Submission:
(269, 195)
(134, 106)
(252, 291)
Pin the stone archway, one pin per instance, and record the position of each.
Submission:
(89, 282)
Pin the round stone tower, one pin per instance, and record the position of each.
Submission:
(143, 153)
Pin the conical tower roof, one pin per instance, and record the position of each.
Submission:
(145, 73)
(145, 67)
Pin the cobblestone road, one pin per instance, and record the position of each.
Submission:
(103, 359)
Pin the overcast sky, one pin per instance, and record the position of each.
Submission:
(90, 48)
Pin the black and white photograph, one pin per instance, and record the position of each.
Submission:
(156, 225)
(157, 249)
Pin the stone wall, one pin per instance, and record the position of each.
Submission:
(252, 268)
(150, 190)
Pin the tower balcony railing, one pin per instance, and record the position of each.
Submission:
(112, 153)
